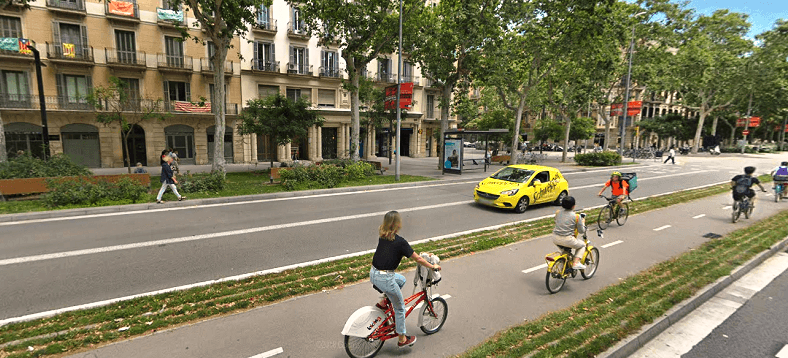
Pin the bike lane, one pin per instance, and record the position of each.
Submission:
(489, 291)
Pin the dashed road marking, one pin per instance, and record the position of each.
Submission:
(662, 228)
(535, 268)
(727, 207)
(783, 353)
(269, 354)
(611, 244)
(698, 216)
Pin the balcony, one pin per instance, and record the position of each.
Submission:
(297, 31)
(125, 59)
(76, 7)
(189, 107)
(265, 66)
(416, 80)
(267, 27)
(8, 55)
(386, 78)
(299, 69)
(169, 18)
(330, 72)
(125, 10)
(12, 101)
(206, 67)
(177, 64)
(70, 54)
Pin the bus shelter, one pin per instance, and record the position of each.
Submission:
(456, 159)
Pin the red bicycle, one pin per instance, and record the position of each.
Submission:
(368, 327)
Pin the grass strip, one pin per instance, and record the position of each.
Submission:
(88, 328)
(610, 315)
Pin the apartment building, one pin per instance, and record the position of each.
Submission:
(85, 42)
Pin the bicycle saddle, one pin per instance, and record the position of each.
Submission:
(376, 288)
(564, 248)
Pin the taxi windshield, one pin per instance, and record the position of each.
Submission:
(513, 174)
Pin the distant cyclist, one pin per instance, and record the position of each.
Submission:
(742, 186)
(568, 225)
(780, 175)
(619, 188)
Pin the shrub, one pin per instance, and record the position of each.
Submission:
(26, 166)
(598, 159)
(209, 182)
(338, 162)
(323, 176)
(89, 190)
(359, 170)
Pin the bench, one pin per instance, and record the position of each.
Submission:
(275, 173)
(378, 166)
(26, 186)
(500, 159)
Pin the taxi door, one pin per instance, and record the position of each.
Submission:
(540, 184)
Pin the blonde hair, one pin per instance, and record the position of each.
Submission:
(392, 222)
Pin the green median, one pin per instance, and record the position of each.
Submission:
(85, 329)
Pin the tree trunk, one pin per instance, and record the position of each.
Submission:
(448, 88)
(698, 131)
(218, 105)
(714, 125)
(126, 145)
(3, 151)
(518, 119)
(354, 107)
(606, 119)
(566, 138)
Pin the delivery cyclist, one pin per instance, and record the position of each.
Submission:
(618, 187)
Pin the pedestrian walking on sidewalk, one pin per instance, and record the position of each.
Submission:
(671, 156)
(167, 179)
(390, 251)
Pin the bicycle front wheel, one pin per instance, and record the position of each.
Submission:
(555, 279)
(623, 214)
(360, 347)
(433, 319)
(591, 262)
(605, 217)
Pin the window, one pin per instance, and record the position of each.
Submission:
(407, 71)
(430, 106)
(73, 90)
(264, 91)
(126, 46)
(299, 60)
(264, 16)
(132, 87)
(544, 177)
(211, 49)
(265, 56)
(10, 26)
(174, 50)
(295, 93)
(326, 98)
(14, 90)
(384, 68)
(72, 34)
(298, 22)
(165, 4)
(177, 91)
(329, 60)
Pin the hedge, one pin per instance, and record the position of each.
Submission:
(598, 159)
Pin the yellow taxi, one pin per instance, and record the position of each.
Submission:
(518, 186)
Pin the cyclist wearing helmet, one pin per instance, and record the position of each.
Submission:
(742, 186)
(568, 225)
(780, 174)
(618, 187)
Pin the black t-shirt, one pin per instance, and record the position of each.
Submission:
(389, 253)
(753, 180)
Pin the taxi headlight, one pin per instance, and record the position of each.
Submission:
(510, 192)
(477, 187)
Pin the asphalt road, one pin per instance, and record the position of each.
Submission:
(489, 291)
(757, 329)
(248, 237)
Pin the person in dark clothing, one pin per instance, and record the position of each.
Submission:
(742, 186)
(390, 251)
(167, 179)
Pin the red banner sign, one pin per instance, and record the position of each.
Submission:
(405, 96)
(633, 108)
(754, 122)
(121, 8)
(745, 132)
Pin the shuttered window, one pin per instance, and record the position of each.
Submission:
(264, 91)
(326, 98)
(10, 26)
(430, 106)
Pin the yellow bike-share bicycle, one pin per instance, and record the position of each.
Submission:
(559, 264)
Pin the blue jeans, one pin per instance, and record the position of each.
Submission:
(391, 284)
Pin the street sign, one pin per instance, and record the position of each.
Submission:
(754, 122)
(745, 132)
(405, 96)
(633, 108)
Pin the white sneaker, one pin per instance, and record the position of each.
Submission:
(579, 267)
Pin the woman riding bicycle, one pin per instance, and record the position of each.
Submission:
(568, 225)
(618, 187)
(390, 251)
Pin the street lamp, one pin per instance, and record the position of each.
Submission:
(626, 93)
(399, 89)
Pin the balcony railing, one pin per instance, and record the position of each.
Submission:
(122, 10)
(16, 55)
(10, 100)
(267, 25)
(265, 66)
(297, 30)
(386, 78)
(125, 58)
(175, 63)
(206, 66)
(69, 5)
(330, 72)
(411, 78)
(69, 52)
(299, 69)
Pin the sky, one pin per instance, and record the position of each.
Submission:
(763, 13)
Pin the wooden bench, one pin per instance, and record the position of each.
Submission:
(378, 166)
(500, 159)
(275, 174)
(39, 185)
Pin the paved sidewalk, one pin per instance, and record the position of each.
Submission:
(489, 292)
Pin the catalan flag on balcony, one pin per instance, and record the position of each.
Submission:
(122, 8)
(24, 46)
(182, 106)
(69, 50)
(9, 44)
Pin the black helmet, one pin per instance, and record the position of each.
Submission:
(784, 164)
(568, 203)
(749, 170)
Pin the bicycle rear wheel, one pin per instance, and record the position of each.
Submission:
(605, 217)
(555, 278)
(434, 319)
(592, 262)
(623, 214)
(360, 347)
(735, 215)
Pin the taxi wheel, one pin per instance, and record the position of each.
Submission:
(522, 205)
(561, 197)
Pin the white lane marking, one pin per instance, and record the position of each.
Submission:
(50, 313)
(734, 172)
(662, 228)
(269, 354)
(698, 216)
(535, 268)
(606, 170)
(783, 353)
(727, 207)
(138, 245)
(206, 206)
(611, 244)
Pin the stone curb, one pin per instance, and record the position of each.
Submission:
(631, 344)
(236, 199)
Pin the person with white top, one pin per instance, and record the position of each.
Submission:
(671, 156)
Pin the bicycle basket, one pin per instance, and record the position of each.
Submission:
(426, 276)
(631, 179)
